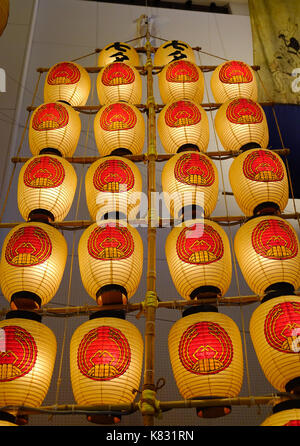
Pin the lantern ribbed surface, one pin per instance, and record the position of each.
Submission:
(54, 125)
(68, 82)
(267, 250)
(119, 125)
(119, 81)
(206, 355)
(275, 330)
(181, 80)
(118, 52)
(239, 122)
(113, 184)
(106, 356)
(173, 50)
(7, 423)
(198, 255)
(110, 253)
(233, 79)
(33, 260)
(46, 182)
(26, 364)
(289, 417)
(258, 176)
(190, 178)
(183, 122)
(4, 13)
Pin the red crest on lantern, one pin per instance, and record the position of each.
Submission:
(63, 73)
(118, 117)
(244, 111)
(44, 172)
(235, 72)
(110, 242)
(117, 73)
(113, 176)
(262, 166)
(181, 71)
(182, 113)
(50, 117)
(293, 423)
(194, 169)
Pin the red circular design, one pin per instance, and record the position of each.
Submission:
(274, 239)
(110, 242)
(65, 73)
(50, 116)
(43, 173)
(282, 327)
(262, 166)
(292, 423)
(117, 117)
(182, 113)
(28, 246)
(117, 73)
(113, 176)
(199, 244)
(235, 72)
(194, 169)
(244, 111)
(103, 354)
(182, 72)
(205, 348)
(18, 353)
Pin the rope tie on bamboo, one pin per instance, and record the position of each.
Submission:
(148, 403)
(151, 300)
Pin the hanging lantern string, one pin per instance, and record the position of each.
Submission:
(97, 50)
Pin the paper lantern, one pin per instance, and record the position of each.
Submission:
(119, 81)
(119, 128)
(106, 358)
(286, 413)
(259, 181)
(233, 79)
(181, 80)
(27, 357)
(4, 13)
(275, 333)
(173, 50)
(240, 124)
(54, 128)
(199, 258)
(118, 52)
(206, 356)
(47, 184)
(183, 125)
(110, 255)
(267, 250)
(32, 264)
(190, 179)
(113, 184)
(67, 82)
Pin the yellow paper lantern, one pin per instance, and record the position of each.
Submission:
(119, 81)
(119, 128)
(47, 184)
(199, 258)
(54, 127)
(241, 123)
(32, 264)
(181, 80)
(113, 184)
(27, 357)
(267, 250)
(106, 358)
(259, 181)
(275, 333)
(286, 413)
(67, 82)
(233, 79)
(183, 125)
(173, 50)
(118, 52)
(110, 255)
(4, 13)
(190, 179)
(206, 356)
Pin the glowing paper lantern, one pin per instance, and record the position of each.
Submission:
(190, 179)
(241, 124)
(54, 128)
(267, 250)
(106, 355)
(67, 82)
(119, 81)
(183, 125)
(118, 52)
(47, 184)
(286, 413)
(206, 356)
(119, 128)
(27, 357)
(181, 80)
(110, 255)
(113, 184)
(199, 258)
(32, 264)
(173, 50)
(4, 13)
(233, 79)
(259, 180)
(275, 333)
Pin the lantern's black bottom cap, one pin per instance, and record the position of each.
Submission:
(50, 151)
(293, 386)
(188, 148)
(25, 300)
(121, 151)
(111, 294)
(24, 314)
(41, 215)
(266, 208)
(249, 146)
(286, 405)
(199, 309)
(278, 289)
(5, 416)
